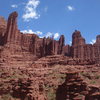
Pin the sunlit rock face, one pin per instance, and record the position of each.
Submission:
(74, 88)
(10, 35)
(27, 47)
(15, 45)
(33, 68)
(85, 51)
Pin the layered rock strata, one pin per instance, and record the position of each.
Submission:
(81, 50)
(74, 88)
(16, 47)
(23, 49)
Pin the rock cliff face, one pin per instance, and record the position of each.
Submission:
(33, 68)
(74, 88)
(85, 51)
(18, 47)
(96, 49)
(3, 25)
(78, 43)
(10, 35)
(31, 42)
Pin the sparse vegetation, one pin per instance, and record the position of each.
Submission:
(53, 77)
(92, 82)
(97, 76)
(6, 97)
(51, 94)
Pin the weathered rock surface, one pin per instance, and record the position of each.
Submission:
(16, 47)
(24, 49)
(96, 50)
(11, 31)
(33, 68)
(29, 47)
(3, 25)
(55, 82)
(74, 88)
(85, 51)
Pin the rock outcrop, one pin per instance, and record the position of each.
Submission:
(78, 43)
(3, 25)
(74, 88)
(50, 82)
(81, 50)
(11, 32)
(33, 68)
(16, 47)
(32, 42)
(96, 49)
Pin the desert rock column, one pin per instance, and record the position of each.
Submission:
(12, 29)
(78, 43)
(61, 44)
(3, 24)
(96, 49)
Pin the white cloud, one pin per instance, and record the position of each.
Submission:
(93, 41)
(14, 6)
(38, 33)
(30, 10)
(70, 42)
(49, 34)
(29, 31)
(70, 8)
(56, 35)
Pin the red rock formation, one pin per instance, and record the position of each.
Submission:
(12, 30)
(96, 49)
(74, 88)
(27, 44)
(66, 50)
(24, 68)
(98, 39)
(77, 39)
(3, 25)
(78, 43)
(31, 47)
(85, 51)
(61, 44)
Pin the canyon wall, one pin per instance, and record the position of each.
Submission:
(31, 47)
(81, 50)
(18, 47)
(31, 42)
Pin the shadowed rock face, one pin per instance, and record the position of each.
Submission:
(98, 39)
(77, 39)
(15, 45)
(96, 49)
(3, 25)
(11, 31)
(61, 44)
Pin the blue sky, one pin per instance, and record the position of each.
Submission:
(56, 17)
